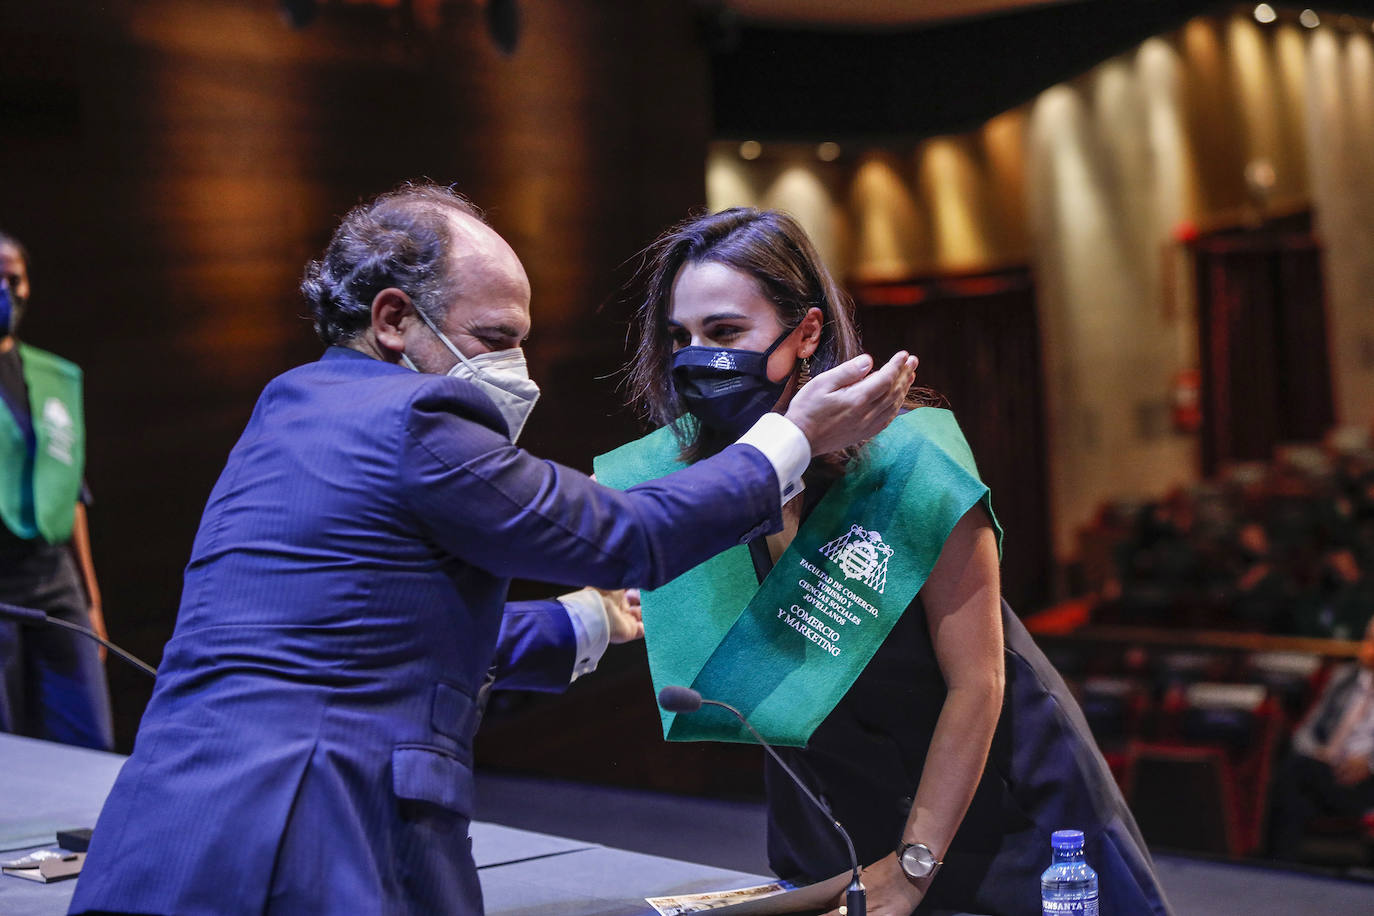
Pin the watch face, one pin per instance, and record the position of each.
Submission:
(918, 861)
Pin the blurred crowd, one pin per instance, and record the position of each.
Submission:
(1282, 547)
(1196, 733)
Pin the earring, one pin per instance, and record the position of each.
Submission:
(804, 373)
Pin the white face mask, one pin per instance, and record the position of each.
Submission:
(501, 374)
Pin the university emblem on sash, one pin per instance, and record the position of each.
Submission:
(722, 361)
(861, 554)
(61, 430)
(808, 629)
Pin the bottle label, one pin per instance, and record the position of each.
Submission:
(1075, 907)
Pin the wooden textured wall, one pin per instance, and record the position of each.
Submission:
(172, 165)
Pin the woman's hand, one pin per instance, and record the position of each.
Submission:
(889, 891)
(97, 616)
(847, 405)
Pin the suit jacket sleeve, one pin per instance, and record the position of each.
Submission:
(536, 648)
(500, 509)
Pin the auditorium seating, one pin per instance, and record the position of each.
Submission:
(1204, 624)
(1229, 733)
(1193, 736)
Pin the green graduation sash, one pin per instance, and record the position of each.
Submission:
(38, 497)
(785, 651)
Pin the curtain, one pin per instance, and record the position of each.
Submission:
(979, 343)
(1266, 375)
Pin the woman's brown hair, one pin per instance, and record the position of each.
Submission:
(770, 247)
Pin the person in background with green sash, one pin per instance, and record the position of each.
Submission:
(52, 681)
(868, 637)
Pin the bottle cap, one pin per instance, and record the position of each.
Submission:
(1067, 839)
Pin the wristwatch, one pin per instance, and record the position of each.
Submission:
(917, 860)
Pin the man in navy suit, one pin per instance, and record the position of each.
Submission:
(308, 747)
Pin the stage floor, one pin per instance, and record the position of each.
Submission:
(730, 834)
(580, 850)
(49, 787)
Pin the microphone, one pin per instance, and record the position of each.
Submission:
(679, 699)
(684, 700)
(34, 617)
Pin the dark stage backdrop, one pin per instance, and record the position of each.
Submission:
(776, 80)
(172, 165)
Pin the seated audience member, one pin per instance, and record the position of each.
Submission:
(1329, 768)
(1344, 594)
(1263, 593)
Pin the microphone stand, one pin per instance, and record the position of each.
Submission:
(36, 617)
(678, 698)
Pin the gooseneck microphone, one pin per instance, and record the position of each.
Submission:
(35, 617)
(684, 699)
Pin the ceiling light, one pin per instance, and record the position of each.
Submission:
(1309, 19)
(1265, 13)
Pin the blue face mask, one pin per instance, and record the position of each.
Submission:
(727, 390)
(6, 310)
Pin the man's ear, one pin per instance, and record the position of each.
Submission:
(810, 332)
(391, 310)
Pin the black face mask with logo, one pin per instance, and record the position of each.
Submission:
(727, 390)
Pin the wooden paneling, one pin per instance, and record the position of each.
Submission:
(172, 165)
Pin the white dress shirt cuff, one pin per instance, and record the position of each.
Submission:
(592, 629)
(785, 447)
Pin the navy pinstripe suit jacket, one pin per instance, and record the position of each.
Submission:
(308, 745)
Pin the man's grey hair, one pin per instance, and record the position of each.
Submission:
(399, 239)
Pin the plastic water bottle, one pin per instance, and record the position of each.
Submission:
(1068, 885)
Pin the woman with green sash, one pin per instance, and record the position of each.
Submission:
(868, 638)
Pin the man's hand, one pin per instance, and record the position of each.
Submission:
(624, 616)
(847, 405)
(1352, 770)
(889, 891)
